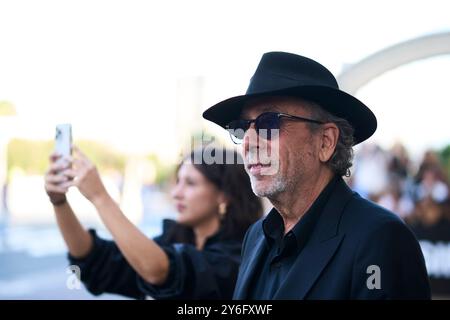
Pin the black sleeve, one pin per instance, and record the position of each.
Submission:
(105, 269)
(389, 265)
(207, 274)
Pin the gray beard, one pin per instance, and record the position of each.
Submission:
(277, 186)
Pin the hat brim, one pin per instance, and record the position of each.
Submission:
(337, 102)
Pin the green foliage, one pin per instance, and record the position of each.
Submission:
(32, 156)
(102, 155)
(164, 172)
(445, 157)
(28, 155)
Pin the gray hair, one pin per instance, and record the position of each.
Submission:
(341, 160)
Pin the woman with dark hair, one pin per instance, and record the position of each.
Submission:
(196, 257)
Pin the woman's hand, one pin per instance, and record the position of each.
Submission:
(143, 254)
(56, 183)
(85, 177)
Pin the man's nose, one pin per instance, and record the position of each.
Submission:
(250, 139)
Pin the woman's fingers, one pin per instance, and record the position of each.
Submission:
(56, 167)
(77, 162)
(81, 165)
(55, 178)
(80, 155)
(70, 173)
(60, 183)
(60, 175)
(77, 150)
(69, 183)
(54, 156)
(52, 188)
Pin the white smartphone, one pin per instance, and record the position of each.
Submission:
(63, 140)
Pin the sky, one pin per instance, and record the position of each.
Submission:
(113, 68)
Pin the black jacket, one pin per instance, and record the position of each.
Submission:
(194, 274)
(351, 239)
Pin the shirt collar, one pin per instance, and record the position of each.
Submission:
(273, 226)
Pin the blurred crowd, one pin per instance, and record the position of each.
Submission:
(418, 193)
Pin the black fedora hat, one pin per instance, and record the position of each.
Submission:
(287, 74)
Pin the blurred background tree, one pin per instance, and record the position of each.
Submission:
(32, 155)
(445, 157)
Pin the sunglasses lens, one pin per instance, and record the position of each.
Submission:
(266, 123)
(237, 130)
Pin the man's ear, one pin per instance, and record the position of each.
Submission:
(328, 141)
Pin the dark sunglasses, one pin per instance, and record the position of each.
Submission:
(264, 124)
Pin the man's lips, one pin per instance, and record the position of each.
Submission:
(255, 169)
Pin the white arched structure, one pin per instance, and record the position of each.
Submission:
(357, 75)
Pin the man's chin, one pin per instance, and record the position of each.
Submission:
(265, 186)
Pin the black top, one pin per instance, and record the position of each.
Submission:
(194, 274)
(282, 250)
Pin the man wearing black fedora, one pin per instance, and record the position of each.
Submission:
(321, 240)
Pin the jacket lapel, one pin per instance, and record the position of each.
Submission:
(248, 268)
(320, 249)
(307, 268)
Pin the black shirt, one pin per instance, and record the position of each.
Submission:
(282, 250)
